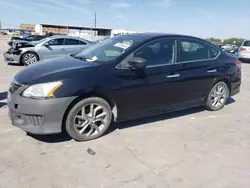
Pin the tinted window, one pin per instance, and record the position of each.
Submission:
(39, 37)
(213, 52)
(72, 42)
(192, 50)
(29, 38)
(56, 42)
(82, 43)
(246, 43)
(157, 52)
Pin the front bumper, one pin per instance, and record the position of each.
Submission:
(37, 116)
(11, 58)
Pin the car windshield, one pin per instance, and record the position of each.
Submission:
(43, 40)
(109, 49)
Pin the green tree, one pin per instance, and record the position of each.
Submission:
(215, 41)
(236, 41)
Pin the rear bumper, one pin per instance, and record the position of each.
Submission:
(244, 55)
(235, 83)
(38, 116)
(235, 89)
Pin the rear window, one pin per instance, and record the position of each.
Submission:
(246, 43)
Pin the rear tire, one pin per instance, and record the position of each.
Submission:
(88, 119)
(29, 58)
(217, 97)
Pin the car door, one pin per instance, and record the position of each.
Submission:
(199, 69)
(153, 89)
(72, 46)
(52, 48)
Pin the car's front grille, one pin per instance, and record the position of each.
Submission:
(35, 120)
(14, 87)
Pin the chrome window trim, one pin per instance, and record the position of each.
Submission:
(176, 53)
(199, 41)
(194, 61)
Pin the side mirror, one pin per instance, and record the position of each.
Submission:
(138, 63)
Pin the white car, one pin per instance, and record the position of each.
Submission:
(244, 51)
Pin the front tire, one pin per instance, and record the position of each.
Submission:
(29, 58)
(88, 119)
(217, 97)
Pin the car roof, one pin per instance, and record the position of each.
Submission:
(159, 35)
(67, 37)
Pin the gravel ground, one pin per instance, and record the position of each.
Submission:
(192, 149)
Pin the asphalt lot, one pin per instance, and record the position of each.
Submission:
(192, 149)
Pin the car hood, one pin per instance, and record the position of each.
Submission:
(23, 44)
(54, 69)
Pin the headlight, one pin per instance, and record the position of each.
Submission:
(40, 91)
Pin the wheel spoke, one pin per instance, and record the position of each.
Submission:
(101, 115)
(97, 109)
(82, 117)
(214, 102)
(94, 126)
(218, 103)
(101, 120)
(83, 111)
(84, 128)
(213, 95)
(81, 125)
(91, 110)
(90, 131)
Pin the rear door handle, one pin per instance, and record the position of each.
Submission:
(173, 76)
(63, 49)
(212, 70)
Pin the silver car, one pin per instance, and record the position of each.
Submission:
(27, 53)
(244, 51)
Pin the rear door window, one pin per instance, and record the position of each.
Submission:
(246, 43)
(72, 42)
(213, 52)
(193, 50)
(56, 42)
(82, 43)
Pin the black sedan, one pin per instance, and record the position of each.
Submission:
(122, 78)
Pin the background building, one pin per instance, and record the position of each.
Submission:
(30, 27)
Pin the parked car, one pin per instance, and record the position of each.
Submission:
(233, 50)
(27, 53)
(101, 40)
(122, 78)
(244, 51)
(27, 38)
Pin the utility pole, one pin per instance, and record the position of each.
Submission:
(0, 24)
(95, 20)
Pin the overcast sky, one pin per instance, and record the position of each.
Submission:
(202, 18)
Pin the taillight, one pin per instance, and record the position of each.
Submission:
(242, 49)
(239, 65)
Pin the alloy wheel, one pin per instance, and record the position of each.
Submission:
(30, 59)
(91, 119)
(218, 96)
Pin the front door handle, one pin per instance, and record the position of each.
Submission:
(63, 49)
(173, 76)
(212, 70)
